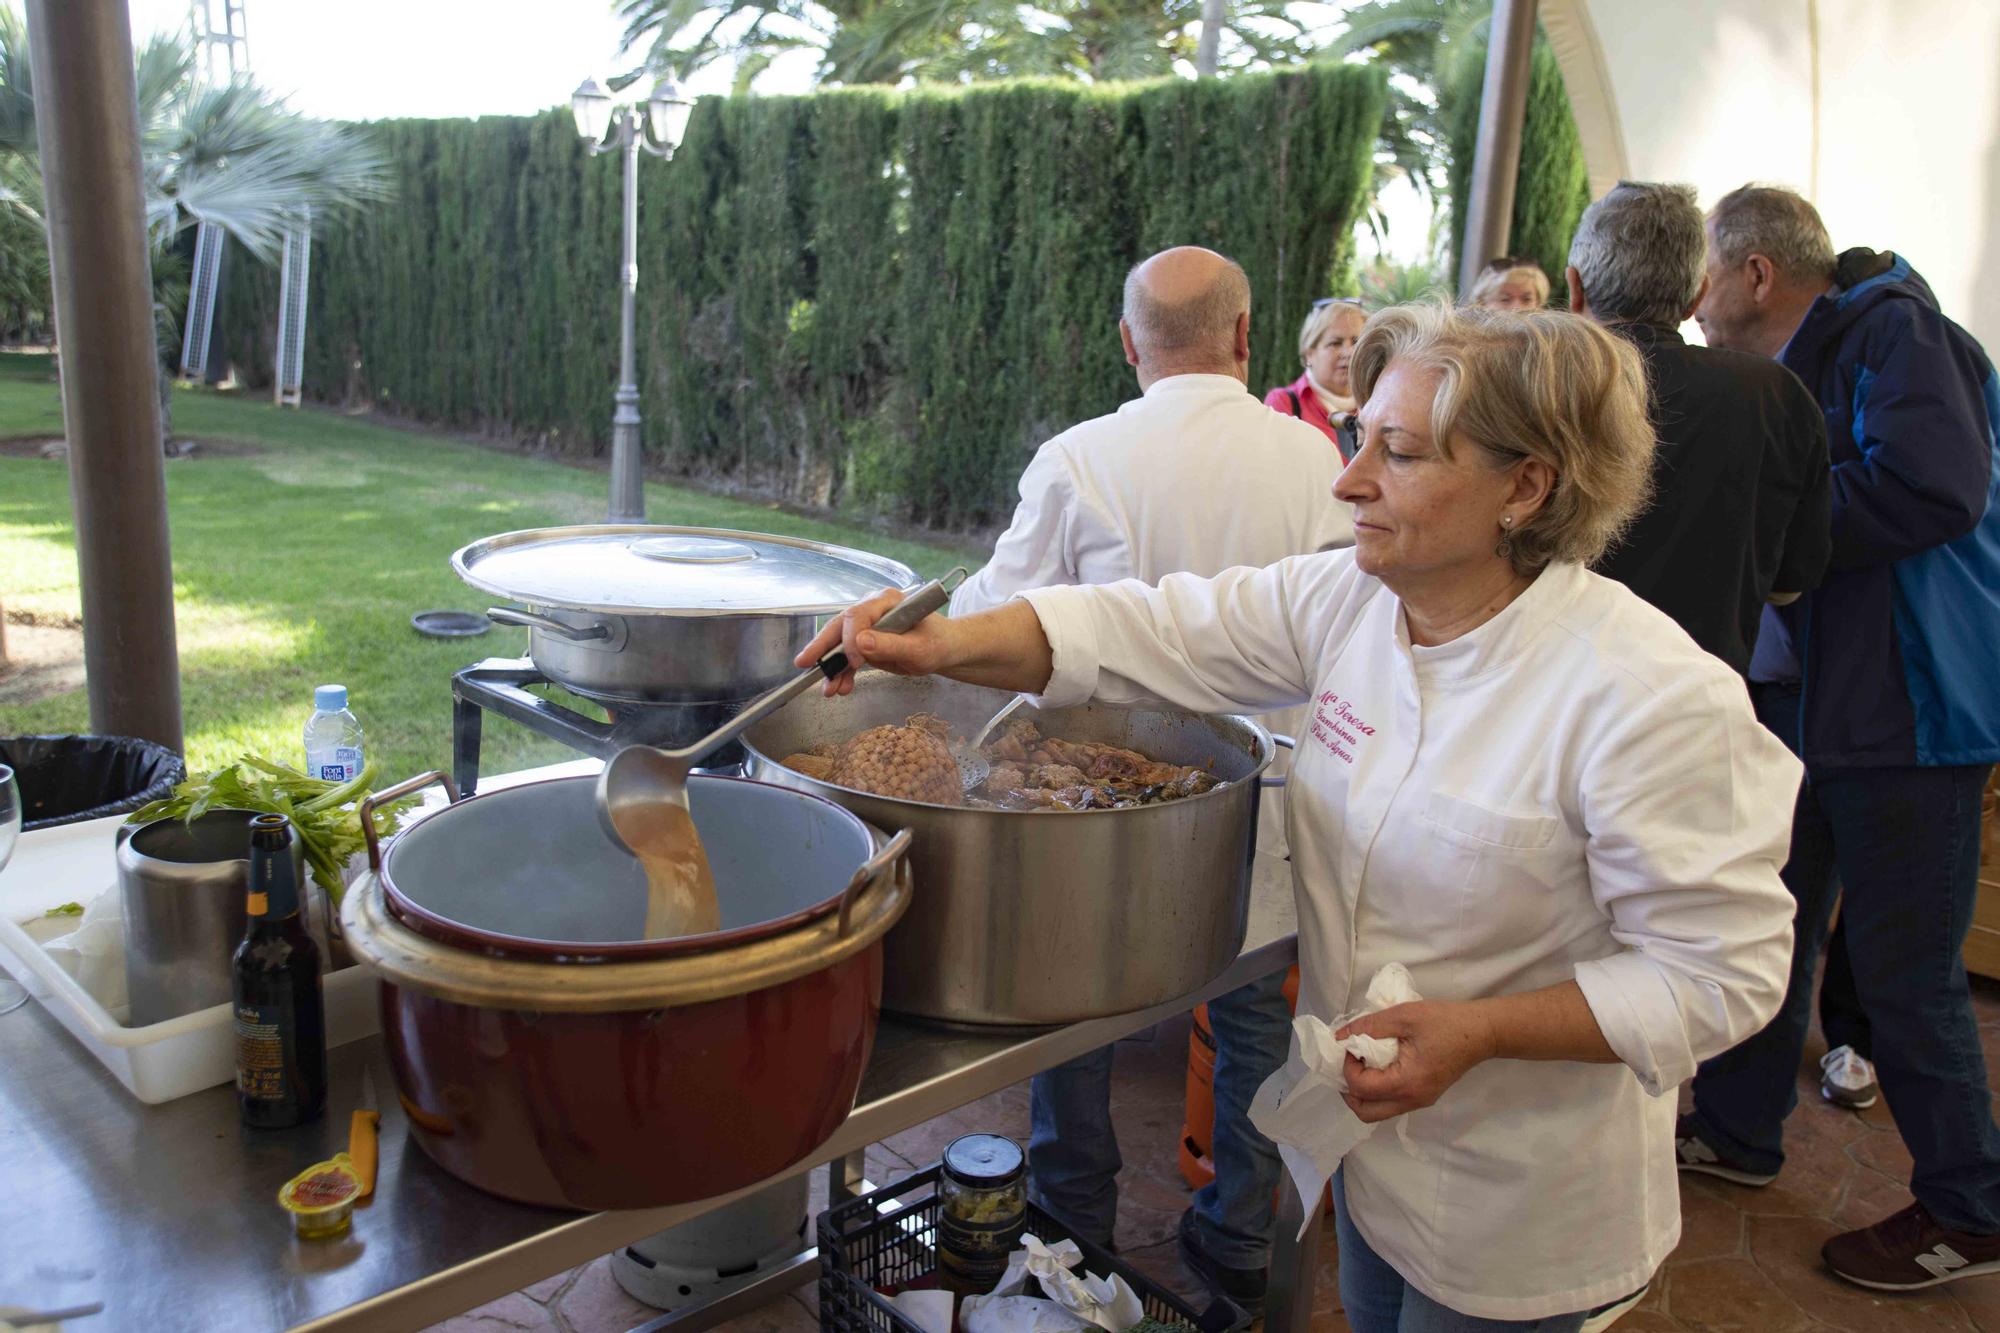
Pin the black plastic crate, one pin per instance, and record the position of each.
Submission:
(885, 1240)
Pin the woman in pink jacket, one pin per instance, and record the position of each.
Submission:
(1324, 395)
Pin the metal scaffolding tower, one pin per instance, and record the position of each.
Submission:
(294, 269)
(222, 51)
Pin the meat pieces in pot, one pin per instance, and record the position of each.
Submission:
(1028, 771)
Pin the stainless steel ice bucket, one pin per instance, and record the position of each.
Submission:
(183, 888)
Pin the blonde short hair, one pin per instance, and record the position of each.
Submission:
(1501, 272)
(1535, 384)
(1320, 318)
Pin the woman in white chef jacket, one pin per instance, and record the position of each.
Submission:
(1520, 780)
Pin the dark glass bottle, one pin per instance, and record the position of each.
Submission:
(280, 1016)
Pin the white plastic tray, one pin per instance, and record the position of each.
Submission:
(162, 1061)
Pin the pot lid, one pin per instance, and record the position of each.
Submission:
(638, 569)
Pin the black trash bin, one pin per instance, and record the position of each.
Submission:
(68, 779)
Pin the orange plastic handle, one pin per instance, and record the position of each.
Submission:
(361, 1148)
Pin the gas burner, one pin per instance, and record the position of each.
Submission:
(499, 685)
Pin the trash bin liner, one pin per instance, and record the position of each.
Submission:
(67, 779)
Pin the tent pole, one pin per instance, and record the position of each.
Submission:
(1496, 162)
(87, 125)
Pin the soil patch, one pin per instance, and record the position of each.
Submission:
(53, 447)
(41, 661)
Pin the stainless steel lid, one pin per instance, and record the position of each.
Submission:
(633, 569)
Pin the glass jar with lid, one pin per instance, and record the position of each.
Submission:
(983, 1209)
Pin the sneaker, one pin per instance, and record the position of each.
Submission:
(1909, 1250)
(1846, 1079)
(1245, 1286)
(1692, 1152)
(1604, 1316)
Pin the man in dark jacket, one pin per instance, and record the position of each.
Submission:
(1883, 680)
(1739, 512)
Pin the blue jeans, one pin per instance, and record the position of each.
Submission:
(1378, 1300)
(1073, 1157)
(1900, 849)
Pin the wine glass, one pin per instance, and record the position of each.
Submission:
(12, 993)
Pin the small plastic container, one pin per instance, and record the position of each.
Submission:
(983, 1197)
(321, 1198)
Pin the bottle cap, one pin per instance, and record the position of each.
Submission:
(330, 698)
(984, 1160)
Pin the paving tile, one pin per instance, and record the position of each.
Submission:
(595, 1303)
(1979, 1297)
(510, 1314)
(1786, 1252)
(1883, 1150)
(1871, 1196)
(1729, 1296)
(1649, 1321)
(1711, 1221)
(548, 1288)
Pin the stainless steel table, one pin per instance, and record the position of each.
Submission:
(168, 1214)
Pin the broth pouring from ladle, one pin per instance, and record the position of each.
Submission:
(642, 793)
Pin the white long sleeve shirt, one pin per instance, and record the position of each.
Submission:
(1573, 790)
(1195, 476)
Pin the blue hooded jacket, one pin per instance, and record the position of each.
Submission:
(1898, 649)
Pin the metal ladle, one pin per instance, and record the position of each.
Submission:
(640, 779)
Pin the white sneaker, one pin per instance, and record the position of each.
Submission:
(1846, 1079)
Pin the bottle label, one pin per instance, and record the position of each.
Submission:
(343, 766)
(260, 1053)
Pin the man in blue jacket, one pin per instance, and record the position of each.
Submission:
(1883, 679)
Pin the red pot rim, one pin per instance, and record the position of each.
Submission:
(445, 930)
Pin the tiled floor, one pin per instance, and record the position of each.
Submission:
(1748, 1261)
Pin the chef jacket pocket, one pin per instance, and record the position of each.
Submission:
(1478, 828)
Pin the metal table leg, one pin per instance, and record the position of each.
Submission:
(1294, 1264)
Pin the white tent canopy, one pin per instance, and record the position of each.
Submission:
(1887, 116)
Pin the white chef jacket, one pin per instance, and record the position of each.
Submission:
(1573, 790)
(1194, 476)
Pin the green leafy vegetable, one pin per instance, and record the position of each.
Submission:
(67, 909)
(323, 814)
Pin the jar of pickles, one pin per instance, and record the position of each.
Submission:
(983, 1209)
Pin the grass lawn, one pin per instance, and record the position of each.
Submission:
(301, 559)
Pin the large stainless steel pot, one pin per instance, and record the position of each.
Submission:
(545, 1052)
(1025, 919)
(669, 615)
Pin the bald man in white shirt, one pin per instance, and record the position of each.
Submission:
(1195, 475)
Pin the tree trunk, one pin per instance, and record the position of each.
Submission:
(1210, 42)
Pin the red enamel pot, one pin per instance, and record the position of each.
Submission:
(545, 1051)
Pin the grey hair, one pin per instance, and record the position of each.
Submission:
(1202, 326)
(1640, 252)
(1776, 223)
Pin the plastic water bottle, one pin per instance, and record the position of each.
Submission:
(333, 737)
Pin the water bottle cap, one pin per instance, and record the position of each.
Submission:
(330, 698)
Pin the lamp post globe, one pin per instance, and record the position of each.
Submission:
(591, 106)
(668, 109)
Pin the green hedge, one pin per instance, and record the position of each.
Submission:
(1553, 189)
(883, 299)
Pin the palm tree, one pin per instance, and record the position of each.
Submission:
(1422, 43)
(230, 155)
(887, 41)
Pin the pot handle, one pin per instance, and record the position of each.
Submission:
(507, 615)
(365, 812)
(892, 851)
(1283, 743)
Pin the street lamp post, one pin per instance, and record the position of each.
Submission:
(659, 133)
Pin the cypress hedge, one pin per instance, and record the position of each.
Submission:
(855, 297)
(1553, 188)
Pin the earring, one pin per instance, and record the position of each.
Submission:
(1505, 548)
